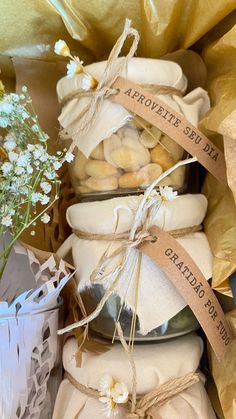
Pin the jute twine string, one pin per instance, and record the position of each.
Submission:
(180, 232)
(154, 399)
(156, 89)
(151, 401)
(114, 67)
(147, 209)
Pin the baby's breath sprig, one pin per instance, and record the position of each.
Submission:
(75, 66)
(29, 181)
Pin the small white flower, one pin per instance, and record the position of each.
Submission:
(32, 233)
(9, 142)
(110, 407)
(6, 106)
(5, 208)
(57, 165)
(46, 187)
(120, 393)
(29, 169)
(6, 168)
(30, 147)
(35, 128)
(19, 170)
(106, 383)
(37, 154)
(25, 115)
(74, 68)
(13, 156)
(45, 137)
(44, 157)
(167, 193)
(11, 211)
(24, 89)
(61, 48)
(9, 145)
(45, 218)
(23, 160)
(7, 221)
(50, 174)
(44, 199)
(87, 82)
(69, 157)
(4, 122)
(36, 197)
(111, 394)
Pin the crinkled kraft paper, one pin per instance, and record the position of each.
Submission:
(224, 374)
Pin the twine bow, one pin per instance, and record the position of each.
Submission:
(160, 396)
(148, 405)
(114, 68)
(144, 214)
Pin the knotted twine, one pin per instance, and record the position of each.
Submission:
(103, 90)
(147, 405)
(179, 232)
(114, 67)
(146, 211)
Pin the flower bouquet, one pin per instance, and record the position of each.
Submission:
(29, 291)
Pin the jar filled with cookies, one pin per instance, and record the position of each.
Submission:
(120, 153)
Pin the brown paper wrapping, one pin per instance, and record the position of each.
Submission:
(224, 374)
(29, 30)
(220, 223)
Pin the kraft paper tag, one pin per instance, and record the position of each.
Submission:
(142, 103)
(192, 285)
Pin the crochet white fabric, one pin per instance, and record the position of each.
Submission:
(155, 364)
(158, 298)
(112, 116)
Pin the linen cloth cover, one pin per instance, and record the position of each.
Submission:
(158, 299)
(112, 116)
(155, 364)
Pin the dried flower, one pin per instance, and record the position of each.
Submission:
(74, 68)
(29, 182)
(61, 48)
(7, 221)
(46, 187)
(106, 384)
(45, 218)
(88, 82)
(120, 393)
(167, 193)
(69, 157)
(112, 393)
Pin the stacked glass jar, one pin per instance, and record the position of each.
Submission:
(118, 157)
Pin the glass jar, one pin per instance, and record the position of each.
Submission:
(181, 324)
(128, 161)
(120, 153)
(30, 363)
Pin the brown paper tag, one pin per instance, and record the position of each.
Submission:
(140, 102)
(192, 285)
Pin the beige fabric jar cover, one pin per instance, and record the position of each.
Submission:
(112, 116)
(155, 364)
(158, 298)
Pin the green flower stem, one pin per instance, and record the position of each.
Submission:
(8, 248)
